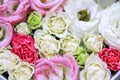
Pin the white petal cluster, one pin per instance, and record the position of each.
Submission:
(109, 26)
(89, 13)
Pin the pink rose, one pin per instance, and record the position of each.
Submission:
(14, 11)
(6, 33)
(56, 68)
(23, 46)
(45, 6)
(112, 58)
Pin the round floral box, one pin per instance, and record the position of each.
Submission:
(59, 40)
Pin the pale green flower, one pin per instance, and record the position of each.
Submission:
(22, 28)
(46, 44)
(7, 60)
(81, 56)
(69, 43)
(22, 71)
(95, 69)
(34, 20)
(56, 24)
(93, 42)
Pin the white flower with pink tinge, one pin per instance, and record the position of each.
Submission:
(56, 68)
(14, 11)
(46, 6)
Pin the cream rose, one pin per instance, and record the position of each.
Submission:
(109, 26)
(7, 60)
(85, 15)
(93, 42)
(22, 71)
(22, 28)
(69, 43)
(56, 24)
(95, 69)
(46, 44)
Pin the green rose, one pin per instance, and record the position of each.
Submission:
(34, 20)
(81, 56)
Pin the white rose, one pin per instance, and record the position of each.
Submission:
(93, 42)
(22, 71)
(109, 26)
(22, 28)
(95, 69)
(84, 13)
(7, 60)
(46, 44)
(56, 24)
(69, 43)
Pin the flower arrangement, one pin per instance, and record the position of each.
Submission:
(59, 39)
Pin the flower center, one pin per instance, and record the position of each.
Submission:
(46, 1)
(2, 34)
(1, 2)
(84, 15)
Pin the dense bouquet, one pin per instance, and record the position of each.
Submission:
(59, 39)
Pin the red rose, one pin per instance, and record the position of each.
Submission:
(23, 46)
(112, 58)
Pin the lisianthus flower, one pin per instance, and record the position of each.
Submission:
(23, 46)
(95, 69)
(81, 56)
(22, 71)
(109, 26)
(105, 3)
(34, 20)
(46, 6)
(6, 33)
(111, 57)
(56, 24)
(7, 60)
(69, 43)
(56, 68)
(14, 11)
(46, 44)
(22, 28)
(93, 42)
(85, 15)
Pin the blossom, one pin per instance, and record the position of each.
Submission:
(46, 6)
(22, 28)
(69, 43)
(81, 56)
(93, 42)
(95, 69)
(22, 71)
(46, 44)
(56, 24)
(111, 57)
(14, 11)
(103, 4)
(109, 26)
(57, 68)
(7, 60)
(23, 46)
(34, 20)
(6, 33)
(85, 14)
